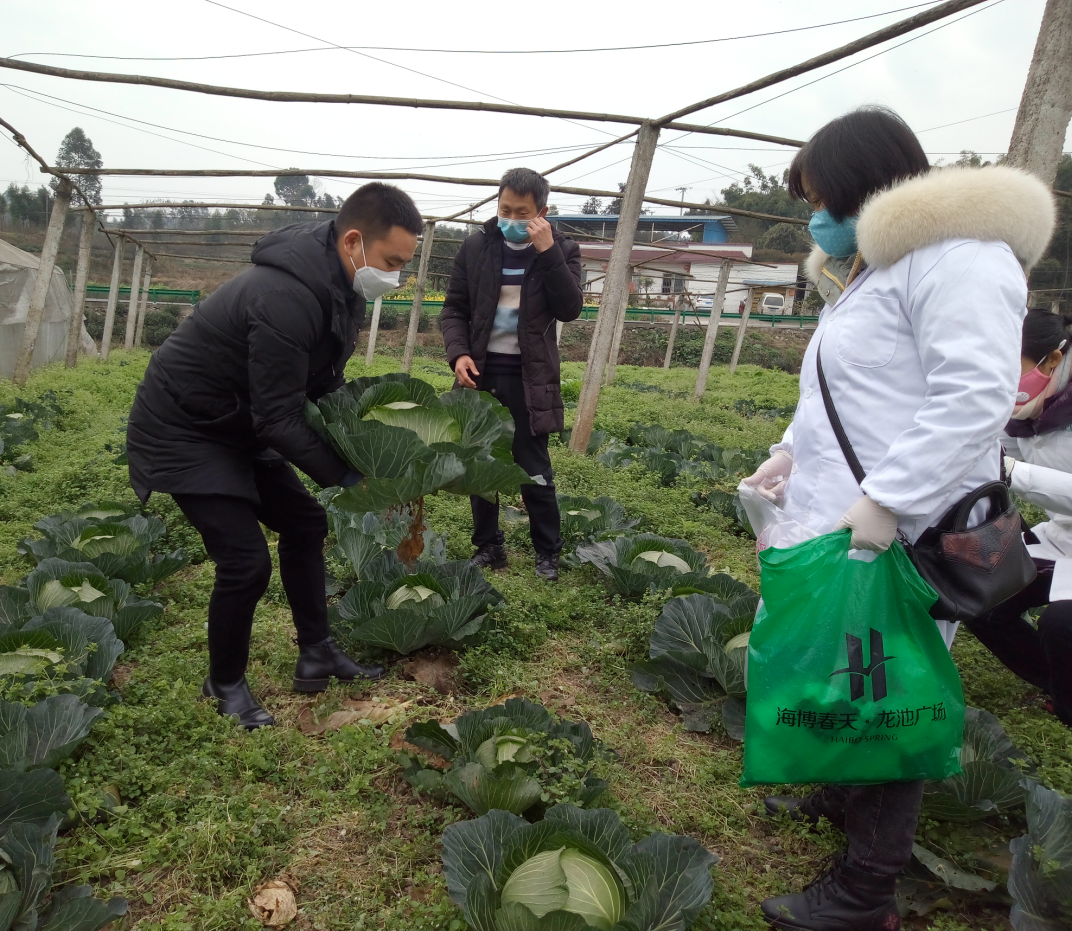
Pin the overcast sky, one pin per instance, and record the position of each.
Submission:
(969, 72)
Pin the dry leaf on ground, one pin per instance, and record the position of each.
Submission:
(437, 672)
(273, 904)
(372, 713)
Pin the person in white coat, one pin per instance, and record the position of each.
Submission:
(921, 355)
(1040, 434)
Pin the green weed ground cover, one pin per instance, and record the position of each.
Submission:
(209, 811)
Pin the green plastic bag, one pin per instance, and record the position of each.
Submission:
(849, 680)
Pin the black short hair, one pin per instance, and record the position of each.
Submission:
(1043, 332)
(524, 181)
(375, 208)
(865, 151)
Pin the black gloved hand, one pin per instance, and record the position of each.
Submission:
(351, 478)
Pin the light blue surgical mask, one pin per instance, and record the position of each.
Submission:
(514, 230)
(834, 237)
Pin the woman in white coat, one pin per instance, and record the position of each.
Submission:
(921, 355)
(1040, 434)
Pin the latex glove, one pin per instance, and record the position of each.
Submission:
(1010, 464)
(770, 478)
(873, 526)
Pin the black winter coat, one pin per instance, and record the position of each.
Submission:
(229, 385)
(550, 292)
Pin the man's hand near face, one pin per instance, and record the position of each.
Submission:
(540, 235)
(465, 370)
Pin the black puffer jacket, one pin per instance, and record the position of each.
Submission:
(228, 386)
(551, 291)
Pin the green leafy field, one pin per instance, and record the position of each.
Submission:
(208, 812)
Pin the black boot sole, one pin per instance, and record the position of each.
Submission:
(498, 564)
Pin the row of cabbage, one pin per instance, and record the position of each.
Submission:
(62, 628)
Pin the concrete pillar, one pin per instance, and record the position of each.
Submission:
(712, 328)
(741, 331)
(374, 329)
(418, 294)
(113, 298)
(81, 276)
(132, 304)
(143, 304)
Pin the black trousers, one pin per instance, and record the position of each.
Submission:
(530, 452)
(231, 530)
(1040, 655)
(880, 822)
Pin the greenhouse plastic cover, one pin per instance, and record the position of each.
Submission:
(18, 272)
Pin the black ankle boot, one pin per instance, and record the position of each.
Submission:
(820, 804)
(236, 701)
(320, 662)
(492, 556)
(845, 898)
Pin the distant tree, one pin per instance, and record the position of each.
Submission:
(28, 208)
(784, 237)
(969, 159)
(77, 151)
(592, 206)
(295, 190)
(762, 193)
(3, 210)
(614, 208)
(552, 211)
(132, 219)
(1052, 276)
(326, 200)
(706, 211)
(268, 200)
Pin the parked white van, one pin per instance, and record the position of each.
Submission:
(772, 303)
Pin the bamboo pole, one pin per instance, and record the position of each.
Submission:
(858, 45)
(616, 289)
(741, 330)
(673, 335)
(81, 276)
(418, 294)
(202, 258)
(113, 298)
(143, 305)
(619, 329)
(712, 328)
(42, 282)
(374, 329)
(135, 294)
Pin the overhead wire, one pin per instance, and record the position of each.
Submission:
(452, 51)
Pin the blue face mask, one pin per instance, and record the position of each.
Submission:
(833, 237)
(514, 230)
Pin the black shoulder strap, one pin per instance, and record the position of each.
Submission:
(835, 421)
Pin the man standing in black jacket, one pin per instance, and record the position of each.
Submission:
(512, 281)
(218, 419)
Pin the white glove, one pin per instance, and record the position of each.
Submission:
(873, 526)
(770, 478)
(1010, 464)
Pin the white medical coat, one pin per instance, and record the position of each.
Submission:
(923, 362)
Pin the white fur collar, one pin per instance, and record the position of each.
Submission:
(996, 203)
(813, 265)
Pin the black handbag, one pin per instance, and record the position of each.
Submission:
(972, 570)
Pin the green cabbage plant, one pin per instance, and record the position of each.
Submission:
(43, 734)
(365, 539)
(402, 609)
(110, 537)
(516, 757)
(992, 772)
(1040, 880)
(575, 870)
(588, 519)
(698, 657)
(57, 583)
(408, 443)
(646, 562)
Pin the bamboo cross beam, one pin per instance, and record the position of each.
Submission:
(174, 205)
(194, 232)
(875, 38)
(186, 242)
(203, 258)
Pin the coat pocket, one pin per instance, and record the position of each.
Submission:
(867, 333)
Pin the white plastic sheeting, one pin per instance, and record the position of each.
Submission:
(18, 273)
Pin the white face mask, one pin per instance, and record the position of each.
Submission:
(370, 282)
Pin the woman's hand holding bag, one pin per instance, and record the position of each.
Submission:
(873, 526)
(770, 478)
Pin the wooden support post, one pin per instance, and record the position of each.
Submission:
(39, 295)
(132, 304)
(712, 327)
(81, 275)
(374, 328)
(113, 298)
(143, 304)
(619, 329)
(741, 331)
(673, 335)
(418, 294)
(615, 287)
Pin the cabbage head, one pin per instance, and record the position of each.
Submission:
(110, 536)
(514, 757)
(637, 564)
(574, 871)
(1040, 879)
(409, 443)
(588, 519)
(698, 656)
(403, 610)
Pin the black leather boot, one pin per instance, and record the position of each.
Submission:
(822, 803)
(845, 898)
(320, 662)
(236, 701)
(492, 556)
(547, 566)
